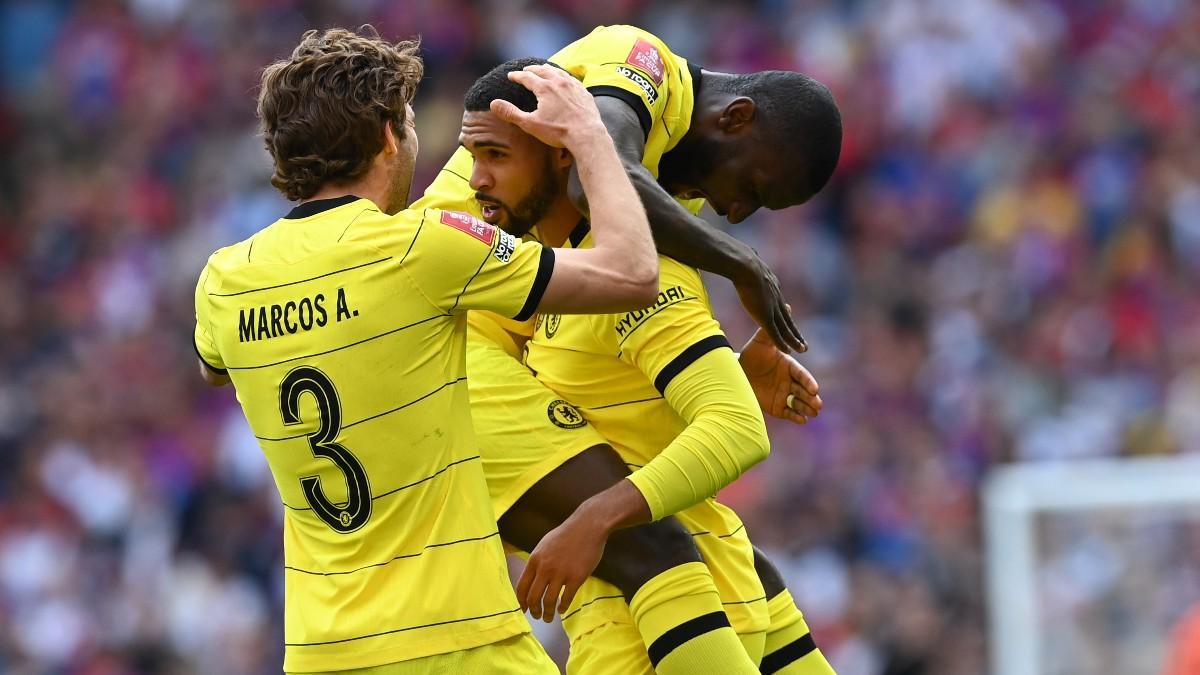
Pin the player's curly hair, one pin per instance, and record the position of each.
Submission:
(323, 109)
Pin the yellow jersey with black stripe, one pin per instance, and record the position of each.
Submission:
(615, 369)
(343, 330)
(625, 62)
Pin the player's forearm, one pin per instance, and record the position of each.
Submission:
(689, 239)
(725, 436)
(616, 508)
(619, 227)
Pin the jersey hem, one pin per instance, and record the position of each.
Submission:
(407, 651)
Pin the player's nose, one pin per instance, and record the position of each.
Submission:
(480, 180)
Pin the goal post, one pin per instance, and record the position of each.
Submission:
(1016, 496)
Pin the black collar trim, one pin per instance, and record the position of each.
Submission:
(316, 206)
(581, 230)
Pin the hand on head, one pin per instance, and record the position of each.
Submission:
(566, 112)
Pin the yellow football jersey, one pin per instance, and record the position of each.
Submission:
(343, 330)
(614, 368)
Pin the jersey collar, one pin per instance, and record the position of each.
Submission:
(318, 206)
(579, 233)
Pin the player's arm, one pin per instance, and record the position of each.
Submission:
(621, 271)
(688, 238)
(725, 436)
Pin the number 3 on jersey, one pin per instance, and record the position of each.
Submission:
(355, 512)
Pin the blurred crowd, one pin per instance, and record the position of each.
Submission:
(1002, 270)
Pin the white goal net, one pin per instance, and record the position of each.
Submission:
(1090, 564)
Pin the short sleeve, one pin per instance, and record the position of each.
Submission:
(665, 338)
(460, 262)
(202, 340)
(628, 65)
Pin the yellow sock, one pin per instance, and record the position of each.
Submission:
(680, 618)
(790, 646)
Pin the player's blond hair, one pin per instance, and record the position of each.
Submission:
(323, 109)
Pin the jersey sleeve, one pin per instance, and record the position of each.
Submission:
(679, 346)
(678, 328)
(628, 64)
(202, 339)
(460, 263)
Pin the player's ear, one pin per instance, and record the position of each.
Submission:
(391, 138)
(737, 115)
(562, 158)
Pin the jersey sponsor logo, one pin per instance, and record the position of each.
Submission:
(651, 92)
(564, 415)
(505, 247)
(646, 57)
(667, 297)
(465, 222)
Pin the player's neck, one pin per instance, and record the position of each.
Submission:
(679, 166)
(558, 223)
(373, 185)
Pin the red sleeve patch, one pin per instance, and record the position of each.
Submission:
(646, 57)
(465, 222)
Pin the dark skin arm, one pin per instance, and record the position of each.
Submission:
(211, 376)
(686, 238)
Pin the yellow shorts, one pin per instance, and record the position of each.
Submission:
(524, 430)
(518, 655)
(617, 648)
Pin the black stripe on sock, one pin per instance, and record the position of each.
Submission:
(670, 640)
(788, 654)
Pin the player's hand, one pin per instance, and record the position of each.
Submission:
(758, 288)
(779, 380)
(559, 565)
(566, 113)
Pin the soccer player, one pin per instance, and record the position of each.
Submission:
(663, 388)
(341, 327)
(538, 473)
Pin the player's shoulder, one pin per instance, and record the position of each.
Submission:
(222, 262)
(672, 273)
(619, 44)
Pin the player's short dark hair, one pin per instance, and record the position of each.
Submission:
(800, 115)
(324, 108)
(494, 84)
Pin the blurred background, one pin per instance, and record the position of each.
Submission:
(1002, 271)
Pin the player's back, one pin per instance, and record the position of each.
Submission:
(351, 374)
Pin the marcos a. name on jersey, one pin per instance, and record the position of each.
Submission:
(270, 321)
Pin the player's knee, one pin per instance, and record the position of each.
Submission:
(639, 554)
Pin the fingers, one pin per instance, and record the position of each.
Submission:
(793, 416)
(804, 405)
(532, 598)
(569, 591)
(547, 71)
(802, 378)
(794, 337)
(509, 112)
(550, 600)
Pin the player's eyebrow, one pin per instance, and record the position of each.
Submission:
(485, 143)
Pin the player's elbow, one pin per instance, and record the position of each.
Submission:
(213, 378)
(644, 285)
(753, 444)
